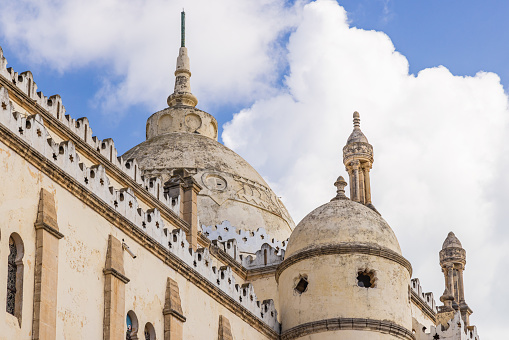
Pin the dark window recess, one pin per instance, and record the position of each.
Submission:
(302, 285)
(11, 276)
(366, 279)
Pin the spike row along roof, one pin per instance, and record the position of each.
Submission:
(29, 133)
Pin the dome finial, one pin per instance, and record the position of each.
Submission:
(183, 28)
(340, 184)
(356, 120)
(182, 93)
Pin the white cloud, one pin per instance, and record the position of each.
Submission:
(232, 45)
(439, 141)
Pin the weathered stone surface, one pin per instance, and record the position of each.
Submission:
(114, 291)
(46, 269)
(342, 222)
(225, 332)
(231, 189)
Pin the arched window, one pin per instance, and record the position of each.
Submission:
(150, 333)
(15, 276)
(132, 326)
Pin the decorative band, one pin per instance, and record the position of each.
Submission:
(340, 249)
(357, 324)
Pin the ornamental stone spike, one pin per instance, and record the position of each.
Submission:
(182, 93)
(340, 184)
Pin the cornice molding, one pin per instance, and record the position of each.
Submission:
(49, 229)
(117, 274)
(343, 249)
(174, 313)
(338, 324)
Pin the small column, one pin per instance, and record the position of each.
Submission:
(355, 184)
(460, 286)
(114, 291)
(450, 280)
(47, 237)
(173, 316)
(367, 185)
(362, 189)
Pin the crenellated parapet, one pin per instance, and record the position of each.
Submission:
(247, 241)
(24, 82)
(426, 298)
(425, 302)
(223, 277)
(454, 329)
(32, 131)
(267, 256)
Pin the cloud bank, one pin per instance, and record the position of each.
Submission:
(233, 45)
(440, 144)
(440, 140)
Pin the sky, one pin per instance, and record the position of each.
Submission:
(283, 78)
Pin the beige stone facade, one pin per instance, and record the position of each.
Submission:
(180, 238)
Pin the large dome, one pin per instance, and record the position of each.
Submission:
(184, 137)
(232, 190)
(192, 151)
(344, 222)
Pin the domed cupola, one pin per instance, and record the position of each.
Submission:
(184, 137)
(343, 276)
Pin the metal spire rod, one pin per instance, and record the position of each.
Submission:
(182, 28)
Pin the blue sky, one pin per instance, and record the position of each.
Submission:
(284, 78)
(464, 36)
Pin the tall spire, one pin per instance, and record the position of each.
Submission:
(358, 159)
(182, 93)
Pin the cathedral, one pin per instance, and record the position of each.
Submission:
(180, 238)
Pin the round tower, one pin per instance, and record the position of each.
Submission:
(343, 276)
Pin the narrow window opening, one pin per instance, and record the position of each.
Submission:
(86, 132)
(14, 298)
(132, 326)
(302, 285)
(58, 110)
(265, 256)
(366, 279)
(11, 276)
(111, 153)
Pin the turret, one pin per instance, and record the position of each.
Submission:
(453, 259)
(358, 160)
(343, 275)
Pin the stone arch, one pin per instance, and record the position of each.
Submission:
(131, 326)
(149, 332)
(14, 300)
